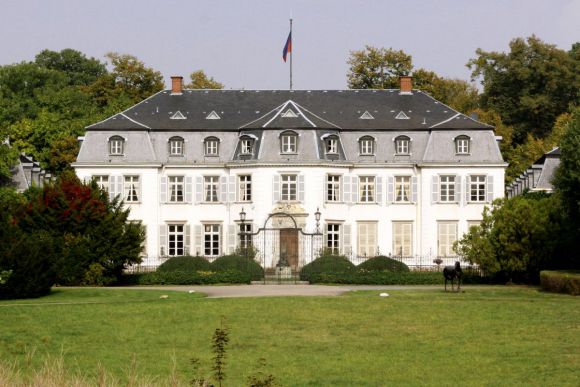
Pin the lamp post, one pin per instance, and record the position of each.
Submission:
(317, 217)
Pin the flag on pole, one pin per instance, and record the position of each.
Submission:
(287, 47)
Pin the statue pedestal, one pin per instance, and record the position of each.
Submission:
(284, 272)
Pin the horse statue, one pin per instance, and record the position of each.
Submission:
(451, 273)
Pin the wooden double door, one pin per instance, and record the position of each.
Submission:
(289, 246)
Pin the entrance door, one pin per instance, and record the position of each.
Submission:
(289, 246)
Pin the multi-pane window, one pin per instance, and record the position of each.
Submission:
(116, 144)
(289, 142)
(446, 235)
(462, 145)
(332, 145)
(367, 239)
(102, 182)
(332, 188)
(477, 188)
(367, 189)
(131, 189)
(245, 235)
(176, 239)
(176, 189)
(447, 188)
(210, 188)
(176, 146)
(402, 145)
(402, 189)
(289, 187)
(245, 188)
(403, 239)
(211, 146)
(247, 146)
(211, 240)
(367, 145)
(333, 237)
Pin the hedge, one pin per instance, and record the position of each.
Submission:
(382, 263)
(393, 278)
(239, 263)
(561, 281)
(186, 264)
(187, 278)
(326, 264)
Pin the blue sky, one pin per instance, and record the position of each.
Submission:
(240, 42)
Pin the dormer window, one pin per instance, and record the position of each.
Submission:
(176, 146)
(289, 142)
(366, 145)
(462, 145)
(116, 145)
(211, 146)
(402, 145)
(246, 146)
(331, 145)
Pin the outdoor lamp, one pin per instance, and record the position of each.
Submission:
(317, 215)
(243, 215)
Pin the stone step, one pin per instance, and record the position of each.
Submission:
(281, 281)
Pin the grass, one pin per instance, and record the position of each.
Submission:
(485, 336)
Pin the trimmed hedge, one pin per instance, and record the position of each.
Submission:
(185, 264)
(187, 278)
(394, 278)
(239, 263)
(382, 263)
(561, 281)
(327, 264)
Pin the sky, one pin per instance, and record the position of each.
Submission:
(240, 42)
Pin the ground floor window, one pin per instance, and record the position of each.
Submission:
(367, 239)
(211, 240)
(333, 237)
(176, 239)
(403, 239)
(245, 235)
(446, 235)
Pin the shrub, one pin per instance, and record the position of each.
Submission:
(187, 278)
(394, 278)
(240, 263)
(561, 281)
(185, 264)
(382, 263)
(326, 264)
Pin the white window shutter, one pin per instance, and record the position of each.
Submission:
(346, 189)
(223, 189)
(354, 189)
(187, 240)
(379, 190)
(489, 187)
(325, 189)
(276, 189)
(112, 187)
(197, 240)
(434, 189)
(458, 189)
(163, 189)
(414, 189)
(120, 184)
(163, 240)
(188, 189)
(232, 189)
(232, 238)
(467, 190)
(390, 189)
(324, 236)
(346, 240)
(301, 188)
(198, 189)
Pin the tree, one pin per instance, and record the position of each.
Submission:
(199, 80)
(8, 158)
(377, 68)
(529, 86)
(79, 69)
(456, 93)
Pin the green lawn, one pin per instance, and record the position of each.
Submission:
(485, 336)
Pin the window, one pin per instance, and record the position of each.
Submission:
(246, 146)
(102, 182)
(210, 187)
(402, 145)
(403, 239)
(211, 240)
(289, 187)
(446, 235)
(477, 188)
(332, 188)
(245, 188)
(176, 146)
(402, 189)
(176, 189)
(116, 145)
(462, 145)
(447, 188)
(367, 145)
(211, 146)
(245, 238)
(367, 239)
(332, 145)
(176, 239)
(333, 238)
(131, 189)
(289, 142)
(367, 189)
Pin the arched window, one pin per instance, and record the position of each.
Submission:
(289, 142)
(211, 146)
(116, 145)
(246, 145)
(402, 145)
(331, 145)
(366, 145)
(462, 145)
(176, 146)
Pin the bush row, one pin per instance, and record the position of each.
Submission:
(393, 278)
(561, 281)
(187, 278)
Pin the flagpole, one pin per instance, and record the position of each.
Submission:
(291, 54)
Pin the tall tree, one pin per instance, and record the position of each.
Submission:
(199, 80)
(529, 86)
(377, 68)
(79, 69)
(457, 93)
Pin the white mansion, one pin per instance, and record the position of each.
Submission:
(390, 171)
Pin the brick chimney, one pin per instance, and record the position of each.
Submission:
(176, 85)
(406, 84)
